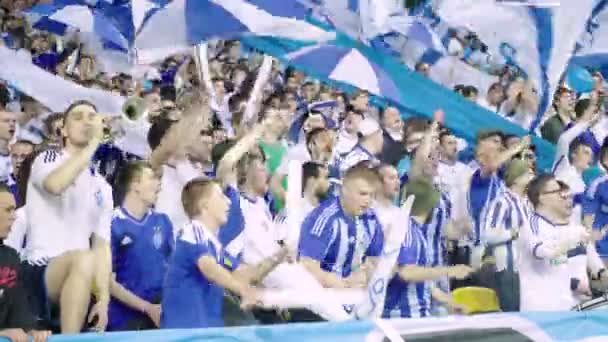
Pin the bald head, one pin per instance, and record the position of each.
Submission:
(391, 119)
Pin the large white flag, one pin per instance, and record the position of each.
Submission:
(538, 39)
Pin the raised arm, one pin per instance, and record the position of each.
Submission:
(256, 96)
(58, 180)
(225, 168)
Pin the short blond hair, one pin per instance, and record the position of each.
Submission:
(192, 193)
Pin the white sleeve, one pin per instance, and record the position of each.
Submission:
(563, 144)
(256, 93)
(16, 236)
(104, 223)
(186, 172)
(43, 165)
(594, 262)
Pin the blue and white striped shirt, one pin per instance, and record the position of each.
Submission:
(409, 299)
(482, 191)
(508, 211)
(595, 202)
(338, 241)
(433, 231)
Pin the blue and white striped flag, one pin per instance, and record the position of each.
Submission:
(592, 47)
(183, 23)
(537, 39)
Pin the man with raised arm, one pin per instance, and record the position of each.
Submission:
(69, 204)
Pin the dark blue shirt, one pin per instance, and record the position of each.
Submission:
(140, 255)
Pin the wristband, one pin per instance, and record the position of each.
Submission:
(600, 272)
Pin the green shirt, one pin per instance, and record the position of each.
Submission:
(274, 155)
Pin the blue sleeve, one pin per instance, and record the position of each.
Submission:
(198, 250)
(229, 262)
(590, 204)
(375, 247)
(315, 237)
(408, 254)
(169, 238)
(116, 235)
(236, 222)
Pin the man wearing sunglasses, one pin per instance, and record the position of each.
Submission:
(545, 276)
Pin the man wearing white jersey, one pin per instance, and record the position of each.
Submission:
(543, 271)
(315, 185)
(69, 204)
(388, 192)
(574, 156)
(8, 125)
(178, 148)
(452, 174)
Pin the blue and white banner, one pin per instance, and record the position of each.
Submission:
(183, 23)
(536, 327)
(536, 39)
(50, 90)
(592, 47)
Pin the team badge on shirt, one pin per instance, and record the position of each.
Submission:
(157, 239)
(126, 241)
(99, 198)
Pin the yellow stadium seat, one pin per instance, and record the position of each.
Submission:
(477, 299)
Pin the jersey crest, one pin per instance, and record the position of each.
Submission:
(157, 238)
(99, 198)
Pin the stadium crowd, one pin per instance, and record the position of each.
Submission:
(188, 226)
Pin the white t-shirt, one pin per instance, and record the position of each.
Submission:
(62, 223)
(6, 167)
(570, 176)
(259, 237)
(170, 197)
(387, 215)
(544, 281)
(16, 236)
(453, 179)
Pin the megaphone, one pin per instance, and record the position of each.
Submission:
(134, 108)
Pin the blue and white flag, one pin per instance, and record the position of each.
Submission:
(592, 47)
(537, 39)
(57, 18)
(346, 65)
(183, 23)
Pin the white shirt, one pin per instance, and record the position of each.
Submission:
(345, 143)
(387, 214)
(6, 167)
(62, 223)
(544, 279)
(292, 233)
(259, 237)
(170, 197)
(16, 236)
(453, 179)
(581, 259)
(483, 102)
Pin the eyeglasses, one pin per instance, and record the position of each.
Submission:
(562, 192)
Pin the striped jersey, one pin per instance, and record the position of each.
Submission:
(482, 190)
(409, 299)
(595, 203)
(508, 211)
(338, 241)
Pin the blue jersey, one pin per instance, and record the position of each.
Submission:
(595, 202)
(236, 220)
(190, 300)
(481, 192)
(338, 241)
(407, 299)
(506, 212)
(140, 254)
(433, 231)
